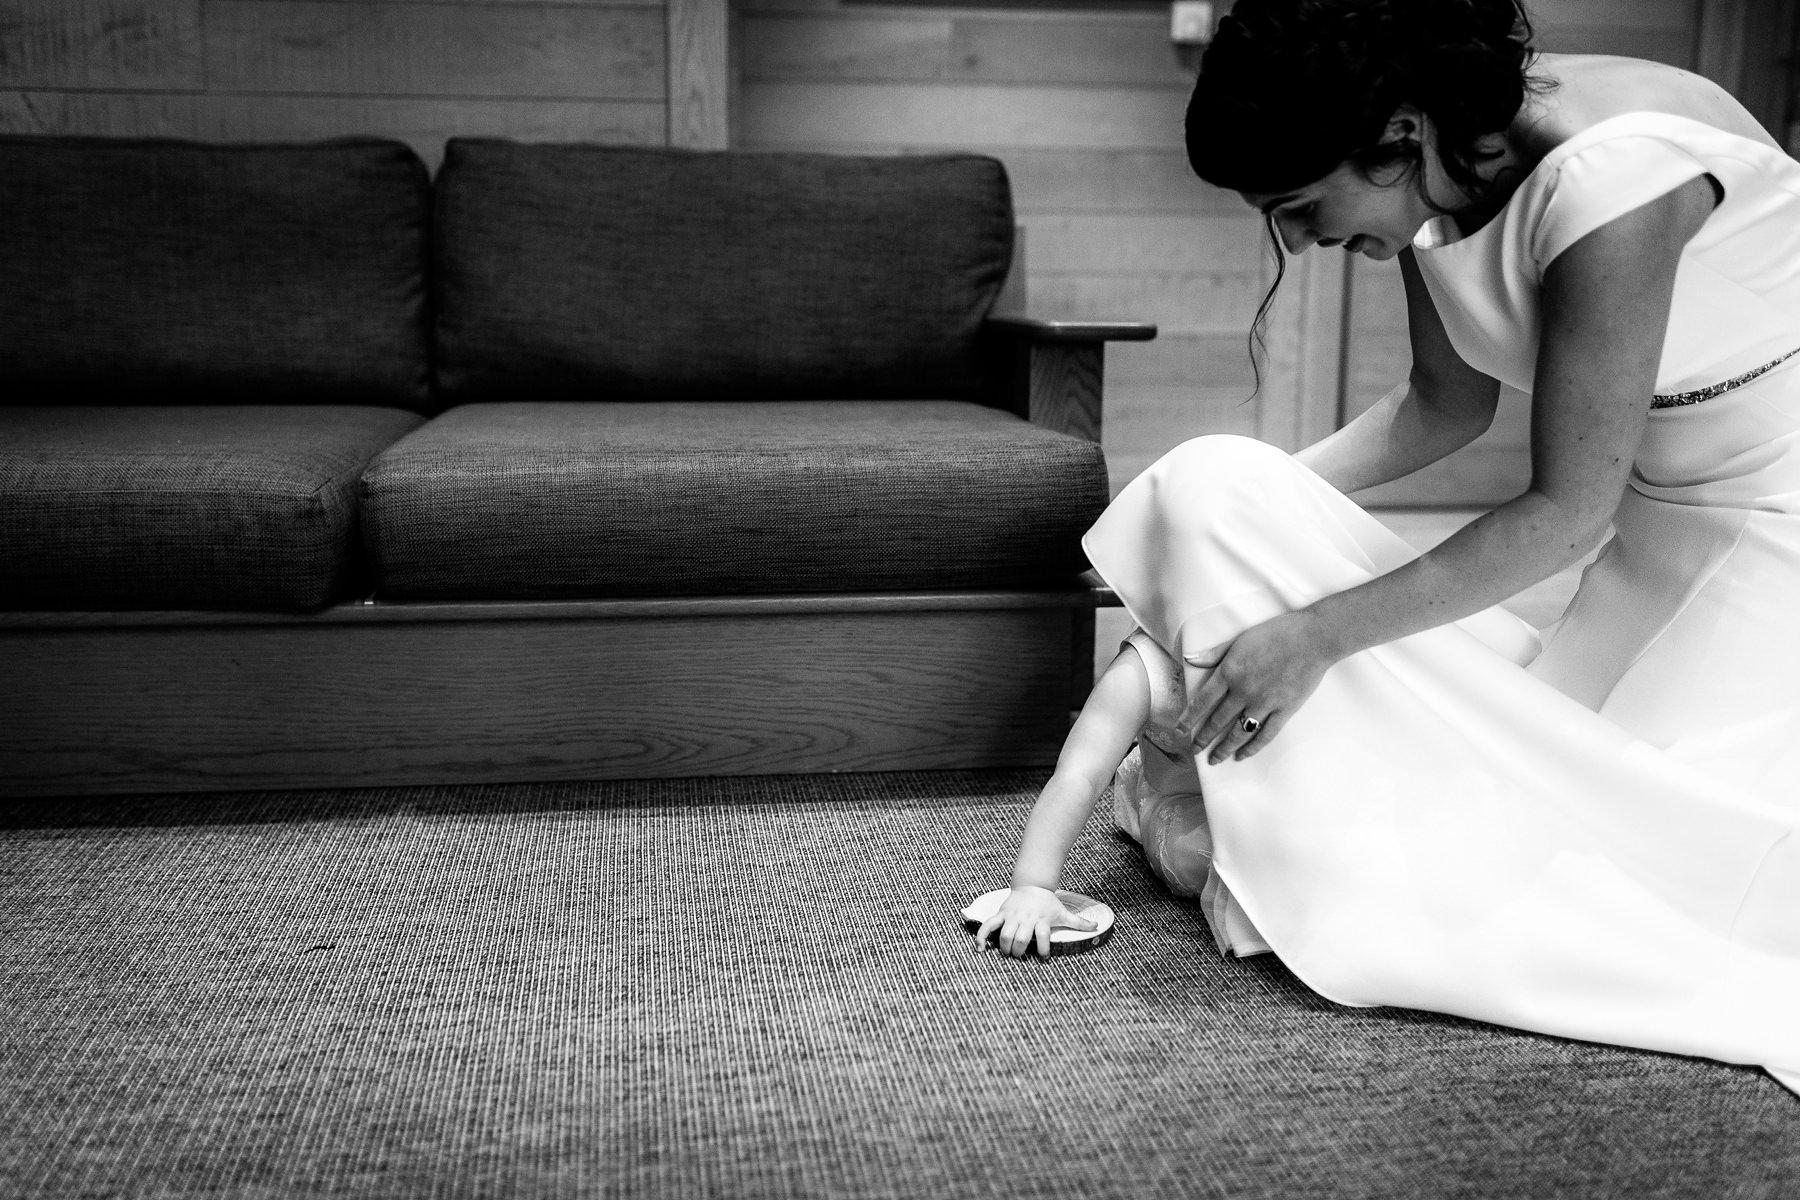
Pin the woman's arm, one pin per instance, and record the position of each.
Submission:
(1605, 310)
(1109, 722)
(1443, 406)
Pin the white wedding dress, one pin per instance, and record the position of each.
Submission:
(1599, 839)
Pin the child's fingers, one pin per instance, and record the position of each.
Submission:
(1043, 939)
(1070, 920)
(1019, 934)
(985, 930)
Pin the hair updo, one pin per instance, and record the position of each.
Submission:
(1290, 89)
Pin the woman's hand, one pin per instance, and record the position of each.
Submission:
(1241, 693)
(1025, 917)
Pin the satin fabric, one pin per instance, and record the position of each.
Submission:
(1596, 840)
(1448, 823)
(1737, 291)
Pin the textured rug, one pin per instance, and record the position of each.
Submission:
(740, 988)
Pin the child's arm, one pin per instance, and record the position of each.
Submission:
(1109, 722)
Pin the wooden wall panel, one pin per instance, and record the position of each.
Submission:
(699, 73)
(1104, 180)
(1157, 418)
(1181, 359)
(879, 45)
(100, 43)
(418, 70)
(434, 49)
(1134, 243)
(886, 116)
(423, 123)
(1663, 30)
(1085, 108)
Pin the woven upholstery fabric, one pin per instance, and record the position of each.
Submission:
(567, 500)
(205, 507)
(174, 272)
(604, 273)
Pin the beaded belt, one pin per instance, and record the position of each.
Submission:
(1717, 389)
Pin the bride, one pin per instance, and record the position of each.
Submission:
(1408, 795)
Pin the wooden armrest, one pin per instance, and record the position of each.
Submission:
(1053, 369)
(1047, 330)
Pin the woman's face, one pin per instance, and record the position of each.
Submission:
(1377, 217)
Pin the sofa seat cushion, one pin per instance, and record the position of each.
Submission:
(164, 272)
(548, 500)
(572, 272)
(184, 507)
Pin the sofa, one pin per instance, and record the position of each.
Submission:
(571, 462)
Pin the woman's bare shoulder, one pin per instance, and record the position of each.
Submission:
(1590, 88)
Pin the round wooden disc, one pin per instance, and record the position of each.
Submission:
(1062, 941)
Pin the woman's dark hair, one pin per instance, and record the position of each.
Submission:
(1291, 89)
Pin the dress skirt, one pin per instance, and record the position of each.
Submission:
(1595, 840)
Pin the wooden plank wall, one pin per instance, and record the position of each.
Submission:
(1085, 108)
(249, 70)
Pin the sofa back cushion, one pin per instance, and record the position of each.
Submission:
(175, 272)
(611, 273)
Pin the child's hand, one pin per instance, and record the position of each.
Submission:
(1026, 917)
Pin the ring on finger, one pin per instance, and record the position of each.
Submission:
(1248, 725)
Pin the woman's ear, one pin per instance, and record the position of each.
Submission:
(1406, 125)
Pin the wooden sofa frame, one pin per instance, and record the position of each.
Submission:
(377, 694)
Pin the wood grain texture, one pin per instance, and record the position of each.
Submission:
(1302, 375)
(1637, 14)
(1060, 181)
(699, 81)
(100, 44)
(1672, 46)
(307, 48)
(1126, 48)
(1143, 423)
(364, 613)
(1180, 359)
(1132, 243)
(1015, 289)
(1054, 181)
(1743, 46)
(782, 6)
(278, 706)
(1065, 381)
(852, 115)
(1379, 351)
(1086, 110)
(1769, 82)
(423, 123)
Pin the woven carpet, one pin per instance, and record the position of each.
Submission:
(740, 988)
